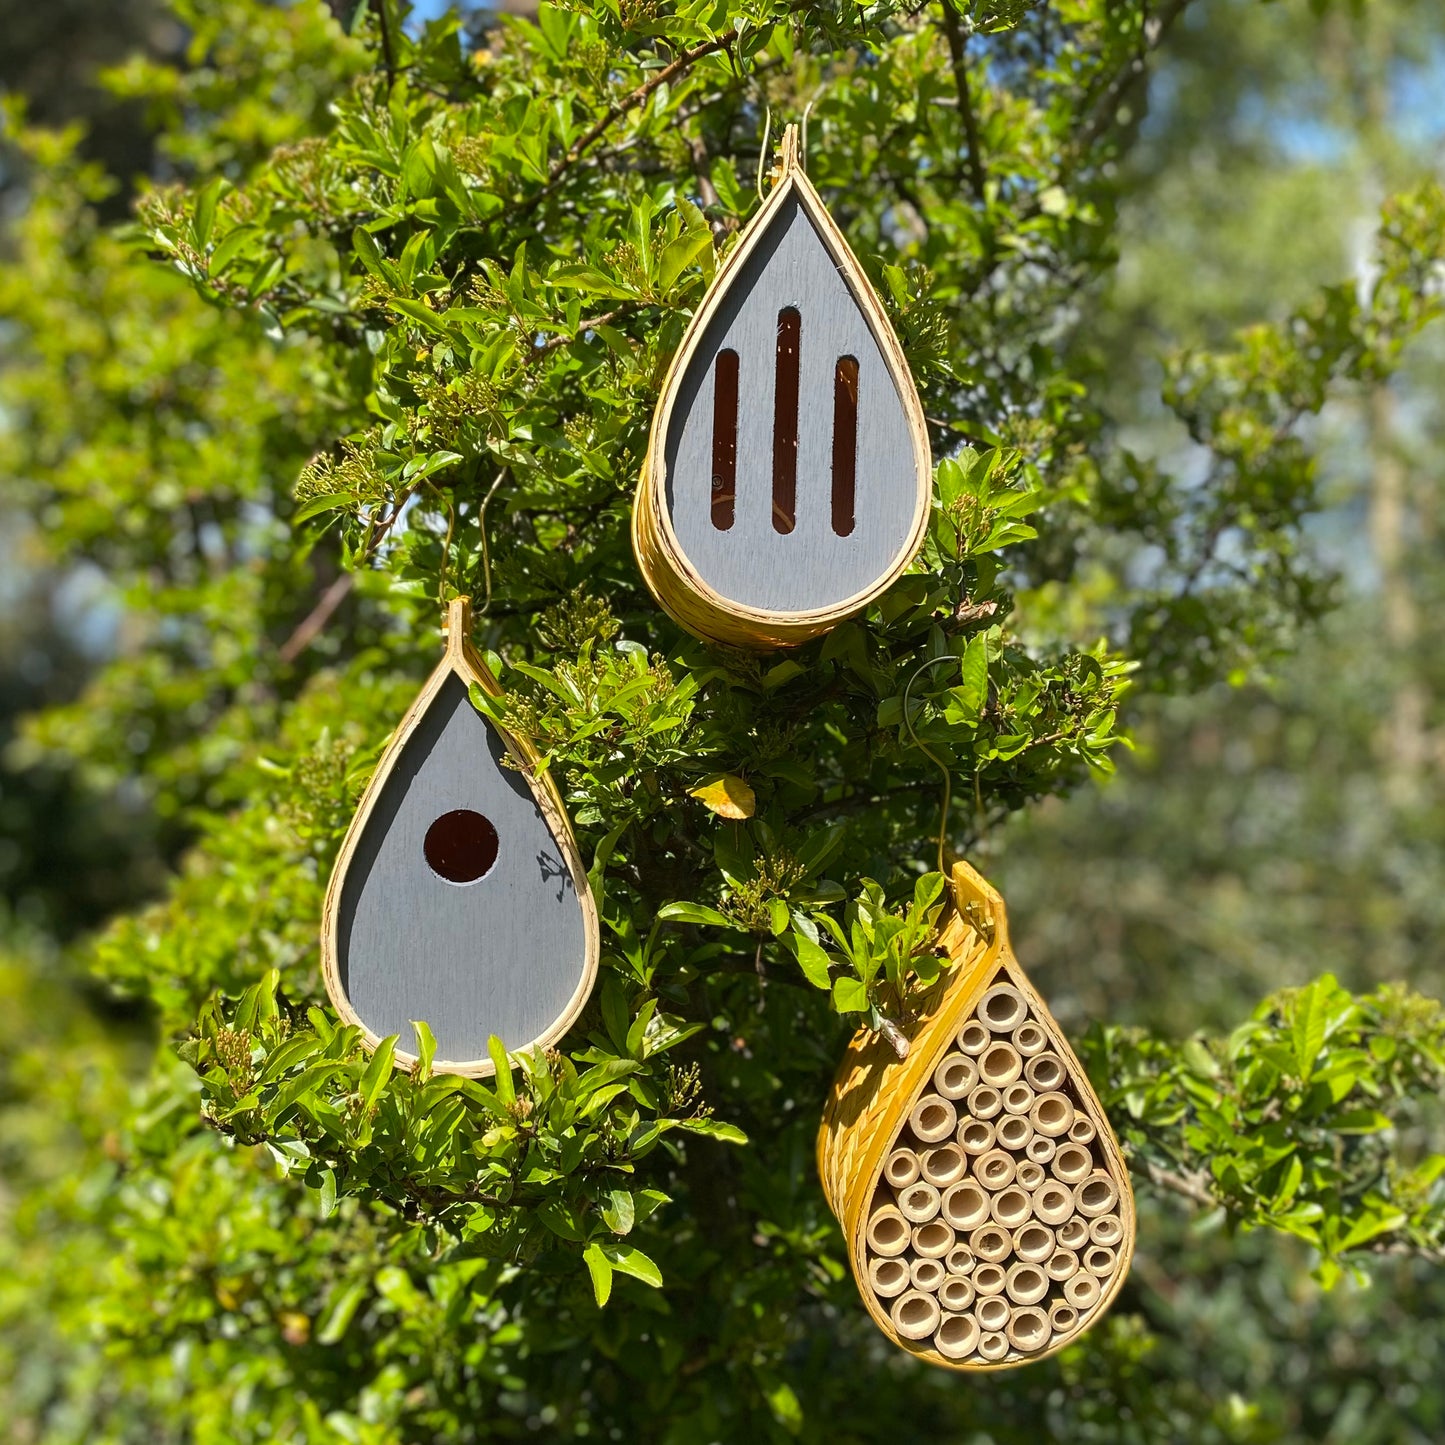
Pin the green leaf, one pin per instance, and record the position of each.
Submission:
(694, 913)
(1308, 1031)
(497, 1052)
(600, 1268)
(632, 1261)
(378, 1072)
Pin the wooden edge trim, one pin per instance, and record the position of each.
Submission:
(462, 660)
(654, 543)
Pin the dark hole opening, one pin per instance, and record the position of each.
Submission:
(845, 443)
(461, 846)
(785, 421)
(724, 439)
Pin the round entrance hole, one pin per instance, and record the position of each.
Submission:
(461, 846)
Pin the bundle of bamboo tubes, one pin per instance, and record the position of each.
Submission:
(984, 1198)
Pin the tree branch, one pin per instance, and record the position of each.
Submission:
(957, 49)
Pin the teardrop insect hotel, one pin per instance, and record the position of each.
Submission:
(459, 897)
(984, 1200)
(787, 477)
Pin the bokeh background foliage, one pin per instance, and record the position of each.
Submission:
(313, 319)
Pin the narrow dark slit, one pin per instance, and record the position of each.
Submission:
(724, 439)
(785, 422)
(845, 443)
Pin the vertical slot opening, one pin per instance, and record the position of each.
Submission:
(845, 443)
(724, 439)
(785, 421)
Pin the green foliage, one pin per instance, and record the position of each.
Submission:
(419, 291)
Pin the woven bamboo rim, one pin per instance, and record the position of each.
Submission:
(670, 577)
(874, 1091)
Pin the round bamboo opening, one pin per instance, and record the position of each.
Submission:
(933, 1118)
(984, 1102)
(1029, 1175)
(919, 1202)
(1106, 1230)
(915, 1315)
(1014, 1131)
(955, 1076)
(1000, 1065)
(995, 1169)
(1062, 1264)
(1002, 1008)
(993, 1313)
(1040, 1148)
(991, 1243)
(1046, 1072)
(976, 1136)
(957, 1336)
(1074, 1234)
(955, 1295)
(888, 1232)
(1096, 1195)
(1062, 1317)
(993, 1345)
(1028, 1330)
(1082, 1291)
(889, 1277)
(1099, 1260)
(926, 1274)
(1072, 1163)
(933, 1240)
(1052, 1114)
(902, 1168)
(960, 1260)
(1018, 1099)
(1012, 1207)
(1053, 1203)
(973, 1037)
(1033, 1243)
(965, 1206)
(1027, 1284)
(944, 1166)
(1082, 1131)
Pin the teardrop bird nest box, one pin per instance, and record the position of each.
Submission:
(787, 478)
(459, 897)
(983, 1197)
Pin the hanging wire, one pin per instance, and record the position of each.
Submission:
(931, 755)
(486, 553)
(763, 153)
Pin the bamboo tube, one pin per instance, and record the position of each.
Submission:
(955, 1076)
(976, 1136)
(887, 1277)
(1062, 1317)
(915, 1315)
(945, 1165)
(933, 1119)
(1028, 1331)
(1014, 1131)
(1012, 1207)
(960, 1260)
(926, 1274)
(902, 1168)
(888, 1231)
(1003, 1008)
(1082, 1291)
(999, 1064)
(1051, 1114)
(1096, 1195)
(1099, 1259)
(1053, 1203)
(1027, 1284)
(991, 1243)
(1106, 1230)
(1018, 1098)
(994, 1170)
(955, 1294)
(932, 1240)
(973, 1037)
(1082, 1130)
(1029, 1175)
(1074, 1233)
(1029, 1039)
(989, 1280)
(919, 1202)
(1045, 1073)
(867, 1114)
(1040, 1148)
(965, 1206)
(984, 1102)
(957, 1337)
(992, 1313)
(1072, 1163)
(992, 1345)
(1062, 1264)
(1033, 1243)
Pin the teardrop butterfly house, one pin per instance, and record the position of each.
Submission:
(787, 478)
(459, 897)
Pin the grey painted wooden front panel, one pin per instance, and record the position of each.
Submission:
(502, 955)
(811, 567)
